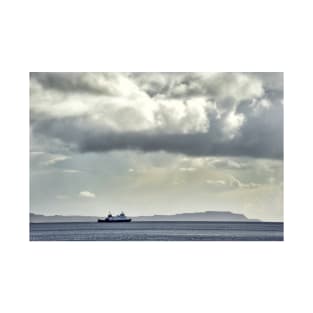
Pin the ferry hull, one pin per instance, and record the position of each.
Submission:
(114, 221)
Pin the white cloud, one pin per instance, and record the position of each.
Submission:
(240, 86)
(124, 106)
(218, 182)
(236, 183)
(70, 171)
(87, 194)
(232, 124)
(187, 169)
(226, 163)
(35, 153)
(259, 106)
(177, 116)
(122, 114)
(231, 182)
(55, 159)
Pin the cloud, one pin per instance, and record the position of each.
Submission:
(211, 85)
(156, 179)
(227, 164)
(70, 171)
(197, 114)
(87, 194)
(236, 183)
(55, 159)
(94, 83)
(197, 144)
(36, 153)
(187, 169)
(230, 182)
(216, 182)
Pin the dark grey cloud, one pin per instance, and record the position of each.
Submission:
(189, 144)
(75, 82)
(270, 80)
(262, 138)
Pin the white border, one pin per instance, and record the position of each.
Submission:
(155, 36)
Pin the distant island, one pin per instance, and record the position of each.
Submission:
(214, 216)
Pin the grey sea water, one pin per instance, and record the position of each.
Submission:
(157, 231)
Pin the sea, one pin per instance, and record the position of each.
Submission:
(158, 231)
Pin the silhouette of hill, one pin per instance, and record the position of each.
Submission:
(198, 216)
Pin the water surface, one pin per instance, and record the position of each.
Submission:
(156, 231)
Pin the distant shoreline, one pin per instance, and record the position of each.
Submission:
(215, 222)
(208, 216)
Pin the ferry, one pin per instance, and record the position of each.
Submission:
(115, 219)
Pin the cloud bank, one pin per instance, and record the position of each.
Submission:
(196, 114)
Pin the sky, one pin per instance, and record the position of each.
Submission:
(156, 143)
